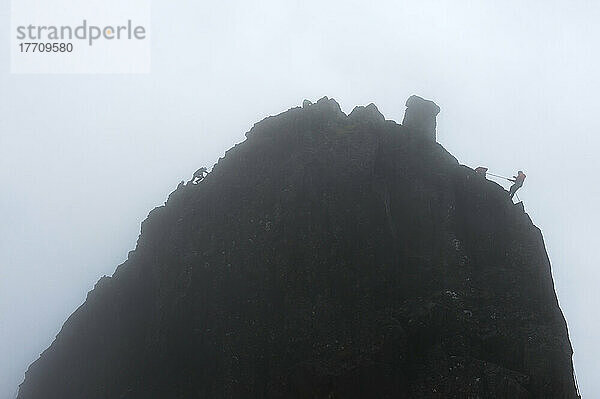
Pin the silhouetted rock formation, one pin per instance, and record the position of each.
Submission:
(421, 116)
(327, 256)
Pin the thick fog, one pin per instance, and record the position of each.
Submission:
(84, 158)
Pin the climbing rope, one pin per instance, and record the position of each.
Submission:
(502, 177)
(505, 178)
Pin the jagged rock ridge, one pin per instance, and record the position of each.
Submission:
(327, 256)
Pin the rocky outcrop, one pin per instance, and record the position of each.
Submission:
(421, 116)
(327, 256)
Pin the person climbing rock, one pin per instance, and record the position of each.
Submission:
(518, 183)
(199, 175)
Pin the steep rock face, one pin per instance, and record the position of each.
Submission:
(327, 256)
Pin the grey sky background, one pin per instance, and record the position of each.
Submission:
(84, 158)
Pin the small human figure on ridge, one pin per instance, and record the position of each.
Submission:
(518, 183)
(199, 175)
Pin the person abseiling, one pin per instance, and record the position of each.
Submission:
(518, 183)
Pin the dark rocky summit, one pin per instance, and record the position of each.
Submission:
(327, 256)
(421, 115)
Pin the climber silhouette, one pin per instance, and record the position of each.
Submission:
(199, 175)
(518, 183)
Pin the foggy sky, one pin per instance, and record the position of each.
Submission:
(84, 158)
